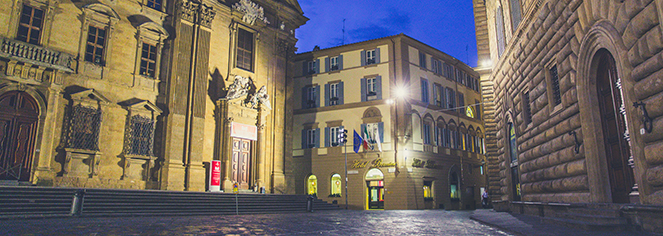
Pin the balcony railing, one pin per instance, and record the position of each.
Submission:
(37, 55)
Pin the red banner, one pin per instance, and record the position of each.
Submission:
(216, 174)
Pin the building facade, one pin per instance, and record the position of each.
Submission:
(426, 145)
(572, 93)
(144, 94)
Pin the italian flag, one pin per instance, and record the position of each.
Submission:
(365, 143)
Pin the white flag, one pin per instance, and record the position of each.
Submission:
(376, 134)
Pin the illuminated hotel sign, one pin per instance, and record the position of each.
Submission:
(375, 163)
(239, 130)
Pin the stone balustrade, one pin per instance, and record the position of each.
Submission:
(37, 55)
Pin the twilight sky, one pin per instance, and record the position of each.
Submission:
(447, 25)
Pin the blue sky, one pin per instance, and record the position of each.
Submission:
(447, 25)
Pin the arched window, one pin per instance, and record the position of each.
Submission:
(453, 134)
(454, 190)
(462, 139)
(336, 185)
(312, 185)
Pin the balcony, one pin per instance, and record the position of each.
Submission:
(36, 55)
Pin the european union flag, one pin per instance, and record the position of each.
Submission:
(356, 144)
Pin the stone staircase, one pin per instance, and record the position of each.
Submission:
(595, 217)
(18, 202)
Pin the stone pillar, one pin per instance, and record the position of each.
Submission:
(49, 122)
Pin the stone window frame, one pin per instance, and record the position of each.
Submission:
(100, 16)
(331, 186)
(47, 22)
(145, 109)
(428, 132)
(255, 34)
(553, 108)
(153, 34)
(526, 108)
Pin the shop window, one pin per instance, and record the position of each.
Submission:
(244, 50)
(312, 185)
(453, 187)
(335, 186)
(428, 190)
(30, 25)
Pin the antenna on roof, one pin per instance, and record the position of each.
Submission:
(343, 40)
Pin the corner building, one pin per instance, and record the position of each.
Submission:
(135, 94)
(573, 108)
(431, 137)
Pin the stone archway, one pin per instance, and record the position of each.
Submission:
(602, 44)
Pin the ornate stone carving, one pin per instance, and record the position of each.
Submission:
(251, 10)
(260, 97)
(238, 88)
(196, 13)
(206, 15)
(188, 10)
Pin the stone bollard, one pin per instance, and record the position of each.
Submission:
(77, 202)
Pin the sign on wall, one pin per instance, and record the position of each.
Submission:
(215, 176)
(244, 131)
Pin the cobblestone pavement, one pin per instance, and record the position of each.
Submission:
(342, 222)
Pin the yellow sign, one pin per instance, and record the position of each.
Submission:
(357, 164)
(235, 188)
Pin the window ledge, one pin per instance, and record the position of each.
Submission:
(556, 109)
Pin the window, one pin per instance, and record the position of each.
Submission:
(449, 71)
(439, 95)
(437, 66)
(424, 90)
(426, 133)
(335, 186)
(142, 136)
(96, 39)
(244, 49)
(477, 109)
(515, 14)
(312, 185)
(84, 128)
(422, 60)
(154, 4)
(446, 138)
(453, 186)
(148, 60)
(333, 63)
(499, 27)
(554, 86)
(461, 100)
(332, 136)
(527, 113)
(30, 25)
(370, 57)
(451, 98)
(428, 190)
(311, 138)
(311, 94)
(371, 88)
(333, 94)
(312, 67)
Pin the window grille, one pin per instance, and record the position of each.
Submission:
(84, 128)
(142, 136)
(554, 79)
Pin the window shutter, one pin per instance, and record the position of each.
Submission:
(378, 87)
(381, 129)
(363, 89)
(304, 97)
(327, 137)
(327, 66)
(340, 62)
(317, 66)
(443, 96)
(327, 95)
(437, 136)
(341, 99)
(304, 146)
(317, 137)
(435, 94)
(317, 96)
(304, 68)
(377, 55)
(361, 132)
(363, 58)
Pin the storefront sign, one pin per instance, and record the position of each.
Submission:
(357, 164)
(239, 130)
(215, 176)
(424, 164)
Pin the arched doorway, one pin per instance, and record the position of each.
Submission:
(613, 125)
(312, 185)
(375, 185)
(19, 114)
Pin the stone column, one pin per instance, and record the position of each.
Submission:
(49, 123)
(260, 160)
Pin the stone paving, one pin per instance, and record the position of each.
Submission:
(342, 222)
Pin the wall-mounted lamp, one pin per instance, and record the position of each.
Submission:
(646, 120)
(575, 138)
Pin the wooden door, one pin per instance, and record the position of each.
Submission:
(617, 149)
(241, 162)
(19, 114)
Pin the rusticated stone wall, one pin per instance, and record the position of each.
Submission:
(568, 33)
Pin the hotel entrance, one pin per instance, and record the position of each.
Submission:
(375, 185)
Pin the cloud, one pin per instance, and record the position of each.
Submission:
(394, 22)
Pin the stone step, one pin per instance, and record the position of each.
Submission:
(8, 182)
(607, 225)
